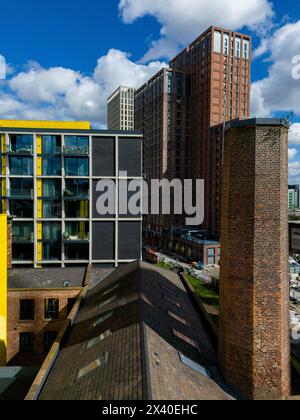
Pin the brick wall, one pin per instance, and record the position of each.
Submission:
(39, 326)
(254, 284)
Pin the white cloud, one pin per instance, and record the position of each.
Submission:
(66, 94)
(294, 172)
(279, 91)
(294, 134)
(182, 21)
(292, 153)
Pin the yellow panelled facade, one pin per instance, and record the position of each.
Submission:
(3, 170)
(3, 289)
(50, 125)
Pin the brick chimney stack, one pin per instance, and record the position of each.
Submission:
(254, 345)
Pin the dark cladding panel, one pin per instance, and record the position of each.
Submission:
(103, 152)
(130, 156)
(103, 241)
(129, 241)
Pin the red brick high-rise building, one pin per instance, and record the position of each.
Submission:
(219, 64)
(182, 110)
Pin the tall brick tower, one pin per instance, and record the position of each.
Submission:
(254, 343)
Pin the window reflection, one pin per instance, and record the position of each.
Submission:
(21, 165)
(77, 167)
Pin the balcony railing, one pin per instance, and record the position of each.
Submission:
(78, 237)
(23, 237)
(20, 193)
(68, 194)
(23, 150)
(76, 150)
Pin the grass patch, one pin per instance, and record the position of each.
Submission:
(164, 266)
(204, 292)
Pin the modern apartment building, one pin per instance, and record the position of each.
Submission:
(294, 197)
(158, 119)
(49, 184)
(120, 109)
(182, 111)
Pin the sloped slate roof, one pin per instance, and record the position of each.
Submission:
(137, 336)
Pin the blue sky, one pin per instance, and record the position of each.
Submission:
(65, 57)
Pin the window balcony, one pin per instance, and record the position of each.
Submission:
(73, 195)
(76, 151)
(76, 238)
(21, 194)
(76, 232)
(23, 236)
(19, 150)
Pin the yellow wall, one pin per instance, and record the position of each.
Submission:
(55, 125)
(3, 289)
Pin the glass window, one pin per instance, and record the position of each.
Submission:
(77, 231)
(21, 165)
(211, 260)
(52, 251)
(22, 252)
(246, 49)
(21, 208)
(77, 188)
(52, 166)
(21, 188)
(77, 144)
(26, 343)
(238, 43)
(194, 366)
(51, 231)
(76, 209)
(22, 231)
(211, 252)
(77, 167)
(51, 309)
(51, 209)
(217, 42)
(225, 44)
(21, 143)
(27, 310)
(77, 252)
(51, 145)
(49, 339)
(51, 188)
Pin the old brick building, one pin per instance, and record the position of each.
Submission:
(39, 302)
(254, 340)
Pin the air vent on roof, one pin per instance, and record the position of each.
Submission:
(195, 366)
(92, 366)
(103, 318)
(67, 283)
(185, 339)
